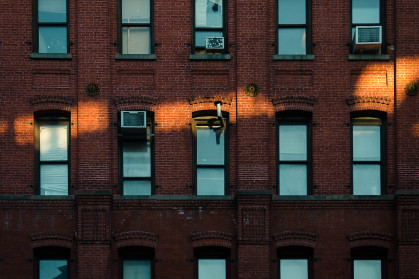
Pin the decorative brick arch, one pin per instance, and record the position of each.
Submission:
(220, 239)
(207, 103)
(136, 238)
(358, 103)
(135, 103)
(294, 103)
(360, 239)
(44, 239)
(295, 238)
(44, 102)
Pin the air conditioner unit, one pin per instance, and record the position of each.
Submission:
(133, 119)
(214, 43)
(367, 39)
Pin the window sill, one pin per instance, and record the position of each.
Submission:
(209, 56)
(294, 57)
(360, 57)
(135, 56)
(51, 56)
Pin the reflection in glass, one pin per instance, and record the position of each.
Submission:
(366, 179)
(365, 11)
(367, 269)
(293, 142)
(53, 142)
(137, 187)
(210, 146)
(200, 37)
(212, 269)
(210, 181)
(136, 40)
(136, 159)
(135, 11)
(366, 143)
(209, 13)
(291, 11)
(52, 269)
(292, 41)
(294, 269)
(136, 269)
(292, 179)
(52, 11)
(52, 39)
(54, 179)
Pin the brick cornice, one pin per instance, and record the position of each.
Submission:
(294, 103)
(356, 103)
(43, 239)
(295, 238)
(136, 238)
(135, 103)
(207, 103)
(212, 238)
(45, 102)
(359, 239)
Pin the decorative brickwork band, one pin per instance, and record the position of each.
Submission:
(220, 239)
(295, 238)
(207, 103)
(136, 238)
(51, 103)
(95, 225)
(379, 239)
(294, 103)
(135, 103)
(368, 103)
(44, 239)
(409, 225)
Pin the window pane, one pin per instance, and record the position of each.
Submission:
(137, 187)
(52, 39)
(366, 179)
(136, 269)
(52, 269)
(367, 269)
(201, 36)
(292, 179)
(365, 11)
(210, 181)
(53, 142)
(292, 142)
(52, 11)
(366, 143)
(291, 11)
(208, 13)
(212, 269)
(136, 159)
(136, 40)
(294, 269)
(292, 41)
(210, 146)
(136, 11)
(54, 179)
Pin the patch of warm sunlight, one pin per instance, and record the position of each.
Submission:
(415, 130)
(93, 116)
(23, 128)
(3, 127)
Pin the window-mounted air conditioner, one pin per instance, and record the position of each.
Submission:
(367, 39)
(133, 119)
(214, 43)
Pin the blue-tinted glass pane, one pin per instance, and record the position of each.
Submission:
(136, 11)
(292, 179)
(367, 269)
(212, 269)
(200, 37)
(294, 269)
(137, 187)
(54, 179)
(52, 269)
(291, 11)
(208, 13)
(292, 142)
(366, 179)
(52, 11)
(365, 11)
(136, 159)
(52, 39)
(210, 181)
(136, 269)
(366, 143)
(136, 40)
(210, 146)
(291, 41)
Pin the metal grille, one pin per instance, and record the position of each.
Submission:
(133, 119)
(369, 35)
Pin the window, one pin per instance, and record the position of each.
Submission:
(294, 153)
(295, 262)
(209, 22)
(136, 27)
(210, 147)
(51, 26)
(367, 155)
(137, 262)
(51, 262)
(212, 262)
(293, 32)
(136, 156)
(52, 139)
(369, 262)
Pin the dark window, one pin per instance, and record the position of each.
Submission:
(137, 262)
(367, 155)
(51, 26)
(209, 21)
(210, 155)
(137, 156)
(52, 137)
(212, 262)
(136, 27)
(293, 32)
(51, 263)
(295, 262)
(294, 153)
(369, 263)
